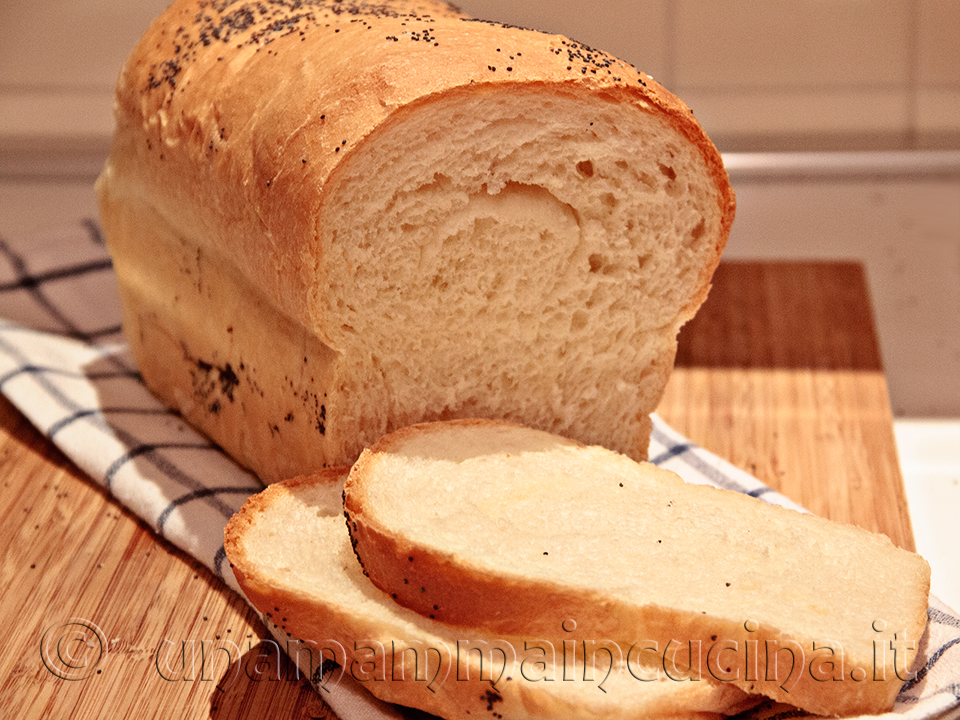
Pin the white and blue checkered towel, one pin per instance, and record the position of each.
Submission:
(64, 364)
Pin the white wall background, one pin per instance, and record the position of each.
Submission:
(784, 74)
(760, 74)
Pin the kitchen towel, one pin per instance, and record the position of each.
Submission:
(64, 364)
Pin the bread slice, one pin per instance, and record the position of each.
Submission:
(512, 530)
(332, 219)
(290, 551)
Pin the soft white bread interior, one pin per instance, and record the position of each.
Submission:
(290, 550)
(491, 525)
(330, 220)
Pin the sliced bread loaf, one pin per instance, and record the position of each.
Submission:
(290, 551)
(490, 525)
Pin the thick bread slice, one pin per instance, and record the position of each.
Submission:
(512, 530)
(331, 219)
(290, 551)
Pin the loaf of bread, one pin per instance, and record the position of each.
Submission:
(510, 530)
(331, 219)
(290, 551)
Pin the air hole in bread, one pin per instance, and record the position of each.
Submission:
(667, 171)
(596, 262)
(599, 297)
(579, 320)
(585, 168)
(697, 232)
(647, 180)
(609, 199)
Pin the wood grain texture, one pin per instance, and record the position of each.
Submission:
(780, 374)
(70, 552)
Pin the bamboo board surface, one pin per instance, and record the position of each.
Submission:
(779, 373)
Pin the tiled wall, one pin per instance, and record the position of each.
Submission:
(760, 74)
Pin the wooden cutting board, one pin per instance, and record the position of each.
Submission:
(780, 373)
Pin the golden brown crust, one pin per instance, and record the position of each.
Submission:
(255, 107)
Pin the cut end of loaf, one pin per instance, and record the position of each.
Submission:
(528, 256)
